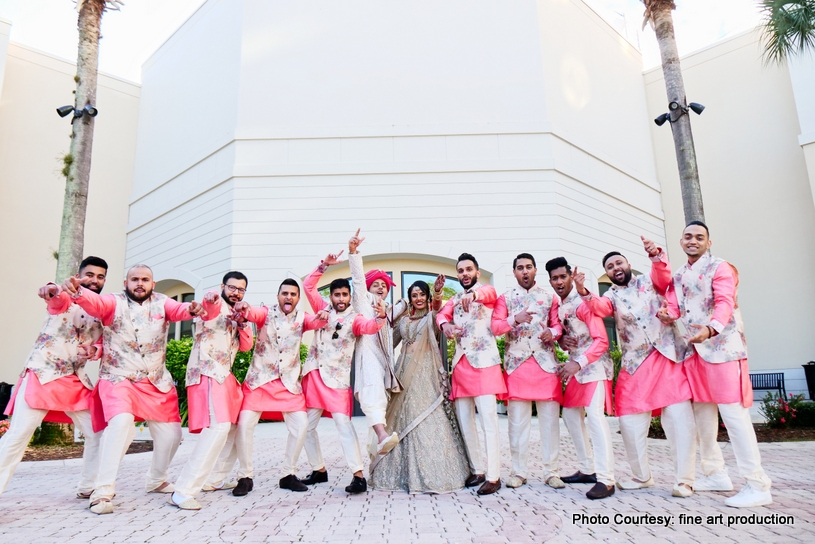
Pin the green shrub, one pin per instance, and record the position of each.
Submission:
(779, 412)
(806, 415)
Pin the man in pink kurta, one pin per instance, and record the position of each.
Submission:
(213, 394)
(271, 389)
(528, 315)
(53, 385)
(477, 380)
(327, 372)
(588, 374)
(134, 383)
(703, 296)
(651, 375)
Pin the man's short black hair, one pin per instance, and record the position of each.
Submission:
(235, 275)
(289, 281)
(701, 224)
(558, 262)
(524, 256)
(467, 257)
(93, 261)
(611, 254)
(339, 283)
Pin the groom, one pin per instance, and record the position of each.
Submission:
(477, 377)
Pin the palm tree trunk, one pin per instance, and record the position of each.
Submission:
(680, 121)
(78, 162)
(77, 171)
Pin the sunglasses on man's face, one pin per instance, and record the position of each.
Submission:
(336, 332)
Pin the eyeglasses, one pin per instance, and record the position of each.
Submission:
(233, 289)
(336, 332)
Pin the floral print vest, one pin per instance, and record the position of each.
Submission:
(54, 353)
(638, 328)
(694, 291)
(214, 347)
(332, 356)
(602, 368)
(135, 344)
(523, 340)
(277, 352)
(476, 340)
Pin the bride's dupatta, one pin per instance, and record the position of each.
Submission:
(425, 346)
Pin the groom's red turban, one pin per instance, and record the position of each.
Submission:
(374, 275)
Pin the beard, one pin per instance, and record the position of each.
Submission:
(132, 296)
(93, 287)
(473, 281)
(626, 279)
(226, 298)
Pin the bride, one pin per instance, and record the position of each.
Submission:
(430, 456)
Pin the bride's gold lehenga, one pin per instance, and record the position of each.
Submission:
(430, 456)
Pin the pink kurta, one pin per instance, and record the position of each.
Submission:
(657, 383)
(141, 398)
(227, 398)
(272, 399)
(66, 394)
(719, 383)
(328, 399)
(530, 382)
(475, 382)
(580, 394)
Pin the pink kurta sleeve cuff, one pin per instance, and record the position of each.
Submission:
(257, 315)
(554, 319)
(59, 304)
(445, 315)
(366, 326)
(501, 324)
(310, 286)
(487, 295)
(661, 272)
(176, 311)
(312, 323)
(102, 307)
(599, 306)
(212, 309)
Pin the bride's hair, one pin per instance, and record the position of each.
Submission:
(423, 287)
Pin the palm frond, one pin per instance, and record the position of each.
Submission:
(789, 28)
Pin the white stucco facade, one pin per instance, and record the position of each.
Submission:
(436, 128)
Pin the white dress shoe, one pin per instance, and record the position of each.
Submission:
(515, 481)
(232, 484)
(718, 481)
(189, 503)
(630, 483)
(749, 498)
(681, 490)
(102, 506)
(555, 482)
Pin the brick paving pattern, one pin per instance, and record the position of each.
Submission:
(38, 505)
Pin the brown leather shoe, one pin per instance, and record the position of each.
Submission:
(489, 488)
(474, 480)
(580, 478)
(600, 491)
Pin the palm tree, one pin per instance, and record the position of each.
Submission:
(789, 28)
(77, 163)
(658, 13)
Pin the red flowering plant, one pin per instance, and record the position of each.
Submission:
(780, 412)
(4, 426)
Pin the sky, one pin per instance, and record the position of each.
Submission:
(133, 34)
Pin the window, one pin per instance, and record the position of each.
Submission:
(181, 329)
(325, 293)
(451, 285)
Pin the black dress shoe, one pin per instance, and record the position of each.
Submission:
(489, 488)
(245, 485)
(316, 477)
(580, 478)
(291, 482)
(358, 485)
(474, 480)
(600, 491)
